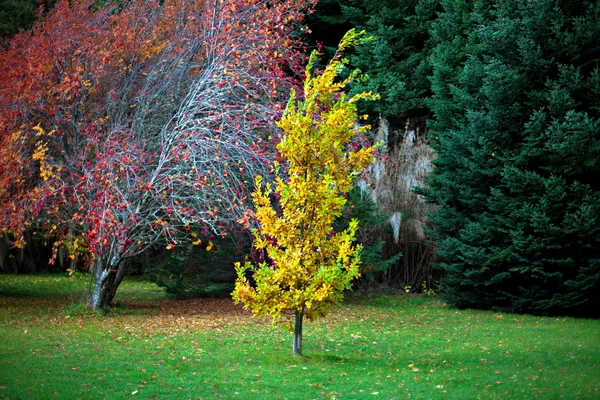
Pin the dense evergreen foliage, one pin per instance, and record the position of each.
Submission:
(517, 105)
(511, 94)
(16, 15)
(396, 60)
(397, 63)
(372, 232)
(196, 272)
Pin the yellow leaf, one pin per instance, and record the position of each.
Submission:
(308, 267)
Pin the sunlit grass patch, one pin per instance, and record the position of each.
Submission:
(384, 346)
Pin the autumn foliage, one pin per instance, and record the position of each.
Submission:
(308, 265)
(128, 125)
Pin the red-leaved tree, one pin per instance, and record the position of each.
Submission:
(141, 124)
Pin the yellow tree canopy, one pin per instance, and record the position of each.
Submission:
(311, 265)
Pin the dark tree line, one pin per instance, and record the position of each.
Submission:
(510, 95)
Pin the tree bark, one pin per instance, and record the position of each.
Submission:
(297, 348)
(108, 279)
(113, 285)
(102, 274)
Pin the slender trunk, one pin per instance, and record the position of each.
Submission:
(298, 333)
(30, 251)
(21, 252)
(61, 257)
(4, 247)
(73, 264)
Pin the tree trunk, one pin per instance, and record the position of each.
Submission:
(114, 283)
(298, 333)
(4, 248)
(108, 280)
(73, 264)
(102, 275)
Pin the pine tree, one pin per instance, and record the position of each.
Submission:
(16, 15)
(396, 60)
(516, 99)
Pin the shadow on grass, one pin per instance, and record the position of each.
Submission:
(41, 285)
(18, 293)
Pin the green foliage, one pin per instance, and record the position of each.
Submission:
(157, 347)
(375, 264)
(170, 274)
(517, 133)
(196, 272)
(16, 15)
(396, 60)
(372, 227)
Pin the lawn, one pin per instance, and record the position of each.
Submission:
(374, 347)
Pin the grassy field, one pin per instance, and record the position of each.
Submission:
(378, 347)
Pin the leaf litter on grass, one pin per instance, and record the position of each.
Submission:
(395, 346)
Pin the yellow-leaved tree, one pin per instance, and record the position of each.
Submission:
(310, 265)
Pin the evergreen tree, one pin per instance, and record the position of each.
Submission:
(396, 60)
(517, 104)
(16, 15)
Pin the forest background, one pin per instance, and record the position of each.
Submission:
(487, 187)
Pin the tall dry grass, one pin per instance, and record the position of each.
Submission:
(405, 161)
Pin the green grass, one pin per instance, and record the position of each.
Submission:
(380, 347)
